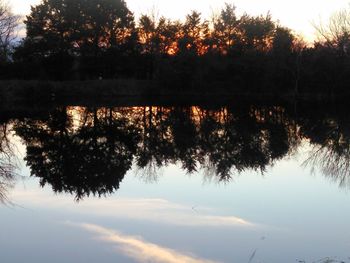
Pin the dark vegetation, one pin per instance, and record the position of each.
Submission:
(94, 39)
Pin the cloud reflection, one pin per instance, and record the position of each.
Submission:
(139, 249)
(164, 211)
(154, 210)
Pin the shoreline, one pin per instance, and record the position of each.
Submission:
(133, 91)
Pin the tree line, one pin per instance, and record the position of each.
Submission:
(92, 39)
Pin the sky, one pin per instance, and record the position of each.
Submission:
(297, 15)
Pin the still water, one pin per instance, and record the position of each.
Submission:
(245, 183)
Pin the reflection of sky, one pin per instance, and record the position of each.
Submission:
(285, 215)
(139, 249)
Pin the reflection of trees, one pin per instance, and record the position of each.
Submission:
(7, 164)
(89, 150)
(244, 140)
(89, 157)
(330, 138)
(236, 143)
(220, 140)
(155, 147)
(184, 136)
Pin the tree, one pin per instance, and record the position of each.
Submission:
(225, 28)
(8, 24)
(283, 41)
(194, 32)
(157, 36)
(80, 24)
(148, 36)
(256, 32)
(61, 29)
(336, 34)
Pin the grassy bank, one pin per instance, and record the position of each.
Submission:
(135, 92)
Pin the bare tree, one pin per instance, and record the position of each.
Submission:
(8, 26)
(336, 33)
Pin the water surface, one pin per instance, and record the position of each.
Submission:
(242, 183)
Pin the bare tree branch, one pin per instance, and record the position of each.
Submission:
(336, 33)
(8, 27)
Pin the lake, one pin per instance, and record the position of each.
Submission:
(240, 182)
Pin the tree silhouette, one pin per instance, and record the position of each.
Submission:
(336, 34)
(8, 24)
(158, 40)
(257, 32)
(60, 30)
(90, 159)
(225, 33)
